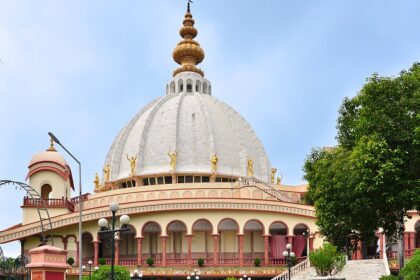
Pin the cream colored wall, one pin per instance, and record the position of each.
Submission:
(60, 187)
(228, 242)
(30, 214)
(410, 223)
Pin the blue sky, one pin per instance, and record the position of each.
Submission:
(82, 69)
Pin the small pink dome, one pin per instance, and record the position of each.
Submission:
(48, 156)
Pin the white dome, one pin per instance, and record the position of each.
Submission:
(194, 124)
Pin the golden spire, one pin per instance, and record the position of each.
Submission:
(188, 52)
(51, 148)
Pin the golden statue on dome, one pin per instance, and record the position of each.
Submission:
(214, 161)
(250, 167)
(107, 171)
(96, 182)
(279, 179)
(173, 158)
(132, 161)
(273, 174)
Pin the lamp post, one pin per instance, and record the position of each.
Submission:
(136, 275)
(288, 254)
(55, 139)
(90, 263)
(104, 229)
(195, 275)
(244, 277)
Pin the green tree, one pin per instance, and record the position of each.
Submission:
(372, 178)
(411, 271)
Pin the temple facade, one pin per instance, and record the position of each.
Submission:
(195, 180)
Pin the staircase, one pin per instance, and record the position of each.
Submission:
(353, 270)
(268, 189)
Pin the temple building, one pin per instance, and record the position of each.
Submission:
(195, 180)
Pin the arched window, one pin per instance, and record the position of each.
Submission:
(209, 89)
(46, 189)
(189, 85)
(180, 86)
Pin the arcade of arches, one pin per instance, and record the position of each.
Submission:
(177, 247)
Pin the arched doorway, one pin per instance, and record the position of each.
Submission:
(176, 246)
(46, 190)
(202, 242)
(228, 242)
(87, 247)
(278, 240)
(253, 241)
(300, 243)
(151, 247)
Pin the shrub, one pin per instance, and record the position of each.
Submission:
(230, 278)
(120, 273)
(102, 261)
(70, 261)
(150, 261)
(411, 271)
(326, 260)
(388, 277)
(293, 261)
(200, 262)
(257, 262)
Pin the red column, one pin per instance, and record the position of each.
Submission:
(117, 251)
(96, 252)
(412, 241)
(215, 249)
(359, 250)
(266, 260)
(241, 249)
(163, 240)
(139, 250)
(189, 257)
(65, 241)
(77, 253)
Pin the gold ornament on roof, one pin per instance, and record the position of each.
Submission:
(173, 158)
(107, 171)
(96, 181)
(214, 161)
(188, 52)
(273, 174)
(279, 179)
(250, 167)
(132, 161)
(51, 147)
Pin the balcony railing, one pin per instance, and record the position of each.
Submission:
(50, 203)
(76, 199)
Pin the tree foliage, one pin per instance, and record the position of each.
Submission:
(411, 271)
(372, 178)
(103, 273)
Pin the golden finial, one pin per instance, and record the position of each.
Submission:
(273, 174)
(96, 182)
(51, 148)
(188, 52)
(214, 159)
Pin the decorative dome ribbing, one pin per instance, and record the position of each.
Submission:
(188, 52)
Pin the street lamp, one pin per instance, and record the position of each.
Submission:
(195, 275)
(90, 263)
(245, 277)
(55, 139)
(136, 275)
(289, 255)
(104, 229)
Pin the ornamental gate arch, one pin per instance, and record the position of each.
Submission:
(44, 215)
